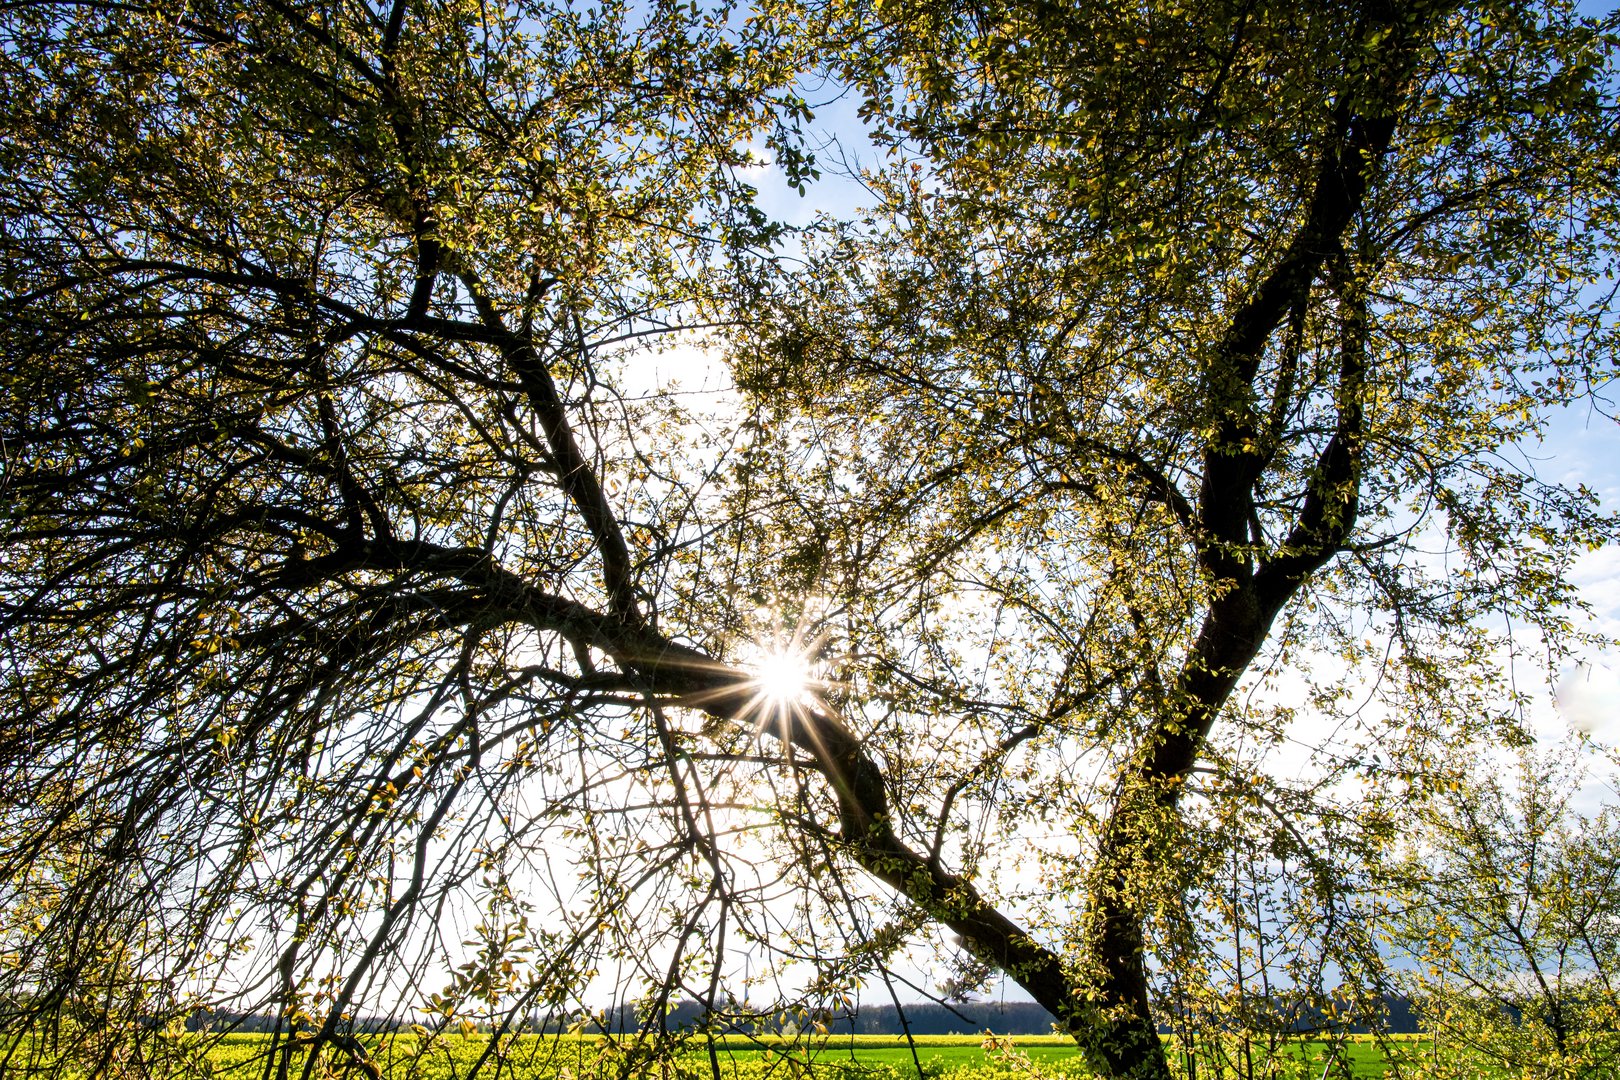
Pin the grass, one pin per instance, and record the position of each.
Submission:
(1359, 1057)
(860, 1057)
(936, 1054)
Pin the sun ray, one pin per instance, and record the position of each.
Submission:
(783, 677)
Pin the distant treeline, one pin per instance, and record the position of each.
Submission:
(966, 1018)
(1012, 1018)
(263, 1024)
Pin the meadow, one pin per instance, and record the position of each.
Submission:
(861, 1057)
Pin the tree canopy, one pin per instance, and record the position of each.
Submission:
(1139, 481)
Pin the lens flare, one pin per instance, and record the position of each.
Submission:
(783, 677)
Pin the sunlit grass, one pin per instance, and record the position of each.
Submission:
(405, 1056)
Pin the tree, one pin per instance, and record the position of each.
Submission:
(358, 577)
(1509, 918)
(312, 573)
(1188, 356)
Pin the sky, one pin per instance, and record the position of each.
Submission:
(1580, 446)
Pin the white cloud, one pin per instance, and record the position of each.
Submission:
(1588, 696)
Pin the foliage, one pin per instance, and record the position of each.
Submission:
(1158, 429)
(1511, 923)
(377, 622)
(308, 448)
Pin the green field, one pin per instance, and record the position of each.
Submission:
(867, 1057)
(585, 1058)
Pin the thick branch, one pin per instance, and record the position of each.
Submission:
(575, 474)
(1333, 498)
(668, 669)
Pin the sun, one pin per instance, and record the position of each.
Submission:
(783, 678)
(786, 676)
